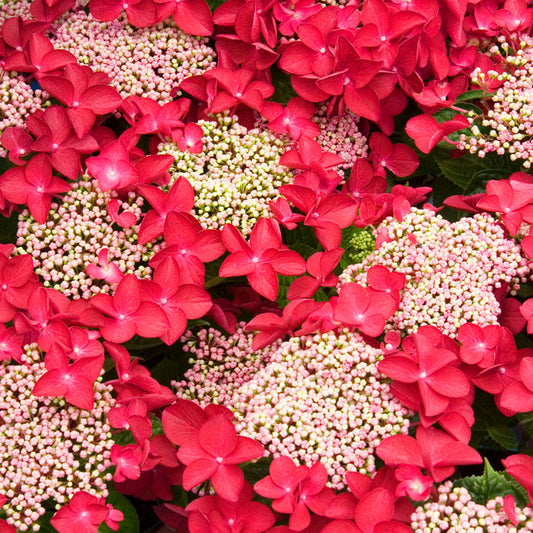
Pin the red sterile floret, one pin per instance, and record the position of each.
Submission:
(214, 454)
(260, 260)
(296, 490)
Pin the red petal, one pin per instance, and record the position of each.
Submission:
(363, 102)
(400, 450)
(194, 17)
(264, 280)
(100, 99)
(228, 481)
(197, 472)
(127, 296)
(377, 506)
(151, 320)
(218, 436)
(182, 421)
(449, 381)
(400, 368)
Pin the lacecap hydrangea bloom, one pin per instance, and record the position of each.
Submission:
(313, 398)
(340, 135)
(456, 512)
(74, 236)
(235, 175)
(148, 62)
(506, 126)
(17, 102)
(452, 269)
(8, 9)
(49, 450)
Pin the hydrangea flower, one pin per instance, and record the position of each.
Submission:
(340, 135)
(313, 398)
(506, 126)
(456, 512)
(235, 175)
(18, 102)
(9, 9)
(74, 237)
(148, 62)
(452, 269)
(49, 450)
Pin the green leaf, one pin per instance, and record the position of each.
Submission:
(169, 369)
(44, 523)
(526, 291)
(123, 438)
(526, 421)
(471, 95)
(471, 173)
(504, 436)
(470, 107)
(141, 344)
(130, 524)
(443, 188)
(301, 239)
(491, 484)
(282, 85)
(491, 424)
(8, 228)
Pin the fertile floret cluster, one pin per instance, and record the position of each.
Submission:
(313, 398)
(506, 127)
(359, 244)
(340, 135)
(456, 512)
(452, 269)
(76, 231)
(235, 175)
(17, 102)
(148, 62)
(9, 9)
(49, 450)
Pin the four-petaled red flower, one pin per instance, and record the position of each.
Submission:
(214, 454)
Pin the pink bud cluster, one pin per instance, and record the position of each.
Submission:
(17, 102)
(456, 512)
(452, 269)
(506, 127)
(148, 62)
(73, 236)
(340, 135)
(313, 398)
(235, 175)
(8, 9)
(49, 450)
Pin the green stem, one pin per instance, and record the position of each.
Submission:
(213, 282)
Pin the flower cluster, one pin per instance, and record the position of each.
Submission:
(148, 62)
(313, 398)
(10, 9)
(74, 236)
(340, 135)
(235, 175)
(18, 102)
(452, 269)
(360, 244)
(456, 512)
(506, 126)
(49, 450)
